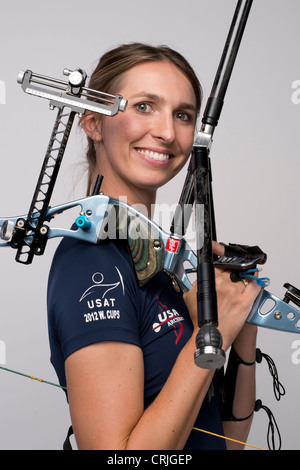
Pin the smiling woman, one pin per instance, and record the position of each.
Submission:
(125, 353)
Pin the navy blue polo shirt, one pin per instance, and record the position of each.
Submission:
(93, 296)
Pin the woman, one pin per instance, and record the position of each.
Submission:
(130, 374)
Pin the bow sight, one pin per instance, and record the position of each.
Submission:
(29, 236)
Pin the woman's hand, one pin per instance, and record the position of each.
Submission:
(234, 302)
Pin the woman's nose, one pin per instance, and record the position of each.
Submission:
(164, 128)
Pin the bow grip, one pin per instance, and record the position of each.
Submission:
(144, 240)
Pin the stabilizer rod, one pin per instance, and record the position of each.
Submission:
(197, 190)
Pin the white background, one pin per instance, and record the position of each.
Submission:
(255, 161)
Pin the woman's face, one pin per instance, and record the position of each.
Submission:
(147, 145)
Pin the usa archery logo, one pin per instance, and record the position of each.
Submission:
(168, 318)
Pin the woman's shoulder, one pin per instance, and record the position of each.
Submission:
(75, 263)
(72, 254)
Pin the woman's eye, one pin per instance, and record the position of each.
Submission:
(183, 116)
(143, 107)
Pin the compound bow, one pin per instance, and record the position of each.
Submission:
(99, 216)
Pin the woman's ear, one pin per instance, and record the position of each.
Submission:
(91, 125)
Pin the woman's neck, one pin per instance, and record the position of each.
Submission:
(142, 199)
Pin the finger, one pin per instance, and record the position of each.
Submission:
(218, 249)
(252, 289)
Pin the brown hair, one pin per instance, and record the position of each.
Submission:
(106, 78)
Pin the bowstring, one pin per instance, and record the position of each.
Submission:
(228, 438)
(32, 377)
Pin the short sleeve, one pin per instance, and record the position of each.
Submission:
(92, 296)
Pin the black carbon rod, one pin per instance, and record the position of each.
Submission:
(212, 111)
(209, 353)
(215, 101)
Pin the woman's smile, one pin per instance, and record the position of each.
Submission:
(157, 157)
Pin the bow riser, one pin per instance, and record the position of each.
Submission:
(152, 249)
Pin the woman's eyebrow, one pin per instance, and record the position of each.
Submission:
(149, 96)
(154, 97)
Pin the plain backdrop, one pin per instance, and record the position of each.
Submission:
(255, 166)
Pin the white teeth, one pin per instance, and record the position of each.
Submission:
(154, 155)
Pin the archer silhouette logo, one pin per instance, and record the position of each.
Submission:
(2, 92)
(2, 352)
(99, 285)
